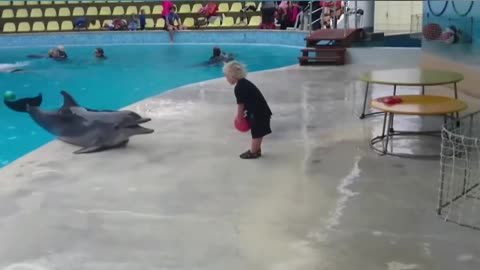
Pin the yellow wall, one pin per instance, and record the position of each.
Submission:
(396, 16)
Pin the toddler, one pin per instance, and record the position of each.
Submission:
(250, 104)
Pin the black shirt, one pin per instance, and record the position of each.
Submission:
(249, 95)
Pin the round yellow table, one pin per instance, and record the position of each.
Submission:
(421, 105)
(409, 77)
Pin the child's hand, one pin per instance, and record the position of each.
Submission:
(239, 118)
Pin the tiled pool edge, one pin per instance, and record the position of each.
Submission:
(274, 37)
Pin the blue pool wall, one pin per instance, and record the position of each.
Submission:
(291, 38)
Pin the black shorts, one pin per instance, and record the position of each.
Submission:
(259, 126)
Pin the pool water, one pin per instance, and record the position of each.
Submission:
(131, 73)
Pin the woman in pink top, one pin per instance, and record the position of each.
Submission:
(289, 18)
(167, 5)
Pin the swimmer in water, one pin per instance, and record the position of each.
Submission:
(100, 54)
(219, 57)
(58, 54)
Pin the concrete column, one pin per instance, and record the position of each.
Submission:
(368, 7)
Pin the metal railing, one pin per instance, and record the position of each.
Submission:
(344, 18)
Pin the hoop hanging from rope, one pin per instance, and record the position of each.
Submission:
(441, 11)
(464, 13)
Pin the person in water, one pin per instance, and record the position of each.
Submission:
(100, 54)
(58, 53)
(219, 57)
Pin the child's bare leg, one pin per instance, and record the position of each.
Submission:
(256, 146)
(170, 32)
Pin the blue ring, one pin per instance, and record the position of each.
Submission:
(441, 12)
(466, 12)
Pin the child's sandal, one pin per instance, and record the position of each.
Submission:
(250, 155)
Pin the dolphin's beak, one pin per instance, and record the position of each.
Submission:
(142, 130)
(143, 120)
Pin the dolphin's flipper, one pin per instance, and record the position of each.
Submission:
(20, 105)
(89, 149)
(98, 148)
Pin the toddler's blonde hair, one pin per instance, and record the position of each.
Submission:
(235, 70)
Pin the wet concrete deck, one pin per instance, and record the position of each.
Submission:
(182, 199)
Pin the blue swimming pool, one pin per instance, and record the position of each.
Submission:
(130, 74)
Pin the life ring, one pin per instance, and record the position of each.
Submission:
(441, 11)
(444, 8)
(470, 7)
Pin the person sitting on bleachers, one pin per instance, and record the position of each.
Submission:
(80, 23)
(332, 10)
(134, 23)
(209, 14)
(288, 16)
(117, 24)
(173, 17)
(244, 17)
(166, 6)
(268, 15)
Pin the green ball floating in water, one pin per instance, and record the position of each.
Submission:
(9, 96)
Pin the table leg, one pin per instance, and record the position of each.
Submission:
(423, 89)
(389, 132)
(457, 119)
(394, 93)
(365, 101)
(455, 90)
(384, 124)
(384, 130)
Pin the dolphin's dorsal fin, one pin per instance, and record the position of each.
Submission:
(68, 100)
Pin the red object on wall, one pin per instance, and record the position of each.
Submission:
(432, 31)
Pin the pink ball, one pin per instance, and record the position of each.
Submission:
(242, 125)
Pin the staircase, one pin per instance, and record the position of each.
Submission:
(329, 46)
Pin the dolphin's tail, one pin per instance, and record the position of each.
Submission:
(21, 105)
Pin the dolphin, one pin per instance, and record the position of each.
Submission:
(12, 68)
(93, 130)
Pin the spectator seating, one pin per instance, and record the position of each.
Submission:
(53, 16)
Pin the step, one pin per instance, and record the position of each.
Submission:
(325, 59)
(324, 49)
